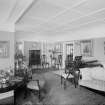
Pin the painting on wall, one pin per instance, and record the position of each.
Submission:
(4, 49)
(87, 48)
(58, 47)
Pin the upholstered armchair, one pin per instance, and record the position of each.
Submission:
(34, 84)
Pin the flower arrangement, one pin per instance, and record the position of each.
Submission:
(4, 76)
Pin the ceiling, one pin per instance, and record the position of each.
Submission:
(12, 10)
(51, 16)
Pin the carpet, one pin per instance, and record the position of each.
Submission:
(56, 95)
(71, 96)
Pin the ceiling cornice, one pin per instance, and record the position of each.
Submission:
(18, 10)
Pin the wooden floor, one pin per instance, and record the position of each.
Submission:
(56, 95)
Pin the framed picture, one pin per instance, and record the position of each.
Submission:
(86, 48)
(58, 47)
(4, 49)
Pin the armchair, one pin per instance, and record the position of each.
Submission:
(72, 71)
(34, 85)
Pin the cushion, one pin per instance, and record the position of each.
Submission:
(65, 75)
(33, 85)
(89, 59)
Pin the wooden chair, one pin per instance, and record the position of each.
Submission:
(34, 85)
(72, 69)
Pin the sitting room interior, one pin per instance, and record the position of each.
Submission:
(52, 52)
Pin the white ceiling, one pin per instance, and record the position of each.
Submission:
(51, 16)
(12, 10)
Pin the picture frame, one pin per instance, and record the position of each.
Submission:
(58, 47)
(86, 48)
(4, 49)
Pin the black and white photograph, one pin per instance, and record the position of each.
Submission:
(52, 52)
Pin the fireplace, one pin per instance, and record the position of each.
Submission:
(34, 58)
